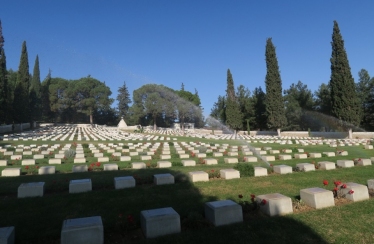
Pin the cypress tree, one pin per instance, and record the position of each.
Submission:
(344, 100)
(234, 117)
(35, 92)
(21, 93)
(3, 88)
(1, 37)
(276, 115)
(124, 100)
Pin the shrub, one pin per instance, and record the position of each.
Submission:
(202, 149)
(70, 153)
(11, 149)
(171, 143)
(85, 145)
(245, 169)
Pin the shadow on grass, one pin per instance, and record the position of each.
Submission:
(39, 220)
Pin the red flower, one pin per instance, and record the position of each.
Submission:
(351, 192)
(240, 196)
(37, 167)
(335, 189)
(98, 164)
(212, 170)
(337, 183)
(325, 182)
(271, 165)
(344, 186)
(253, 195)
(263, 202)
(26, 167)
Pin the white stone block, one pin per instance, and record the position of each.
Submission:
(229, 174)
(315, 155)
(260, 171)
(163, 179)
(59, 155)
(300, 155)
(250, 159)
(124, 182)
(371, 184)
(79, 160)
(282, 169)
(45, 170)
(77, 186)
(145, 157)
(184, 156)
(305, 167)
(329, 154)
(32, 189)
(285, 157)
(247, 153)
(28, 162)
(345, 163)
(103, 159)
(326, 165)
(163, 164)
(274, 151)
(3, 162)
(54, 161)
(165, 156)
(11, 172)
(268, 158)
(231, 160)
(217, 154)
(110, 167)
(363, 162)
(210, 161)
(79, 168)
(276, 204)
(188, 163)
(360, 192)
(7, 235)
(198, 176)
(98, 155)
(139, 165)
(159, 222)
(232, 154)
(317, 197)
(223, 212)
(125, 158)
(368, 147)
(82, 230)
(16, 157)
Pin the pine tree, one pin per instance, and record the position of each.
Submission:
(344, 100)
(35, 92)
(124, 100)
(276, 116)
(46, 105)
(21, 93)
(234, 118)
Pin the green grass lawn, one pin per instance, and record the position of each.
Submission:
(39, 220)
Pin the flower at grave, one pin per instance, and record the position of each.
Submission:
(271, 165)
(336, 189)
(344, 186)
(212, 170)
(263, 202)
(37, 167)
(98, 164)
(240, 196)
(337, 183)
(351, 192)
(26, 167)
(253, 196)
(325, 182)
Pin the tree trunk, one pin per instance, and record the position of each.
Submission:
(91, 119)
(279, 132)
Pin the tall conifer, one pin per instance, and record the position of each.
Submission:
(234, 118)
(276, 115)
(35, 93)
(21, 93)
(344, 100)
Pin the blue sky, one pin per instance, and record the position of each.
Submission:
(194, 42)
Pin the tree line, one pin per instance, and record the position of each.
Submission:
(340, 104)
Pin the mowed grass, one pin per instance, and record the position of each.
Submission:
(39, 220)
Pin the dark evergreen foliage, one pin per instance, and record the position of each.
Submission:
(275, 109)
(344, 100)
(21, 93)
(234, 117)
(124, 100)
